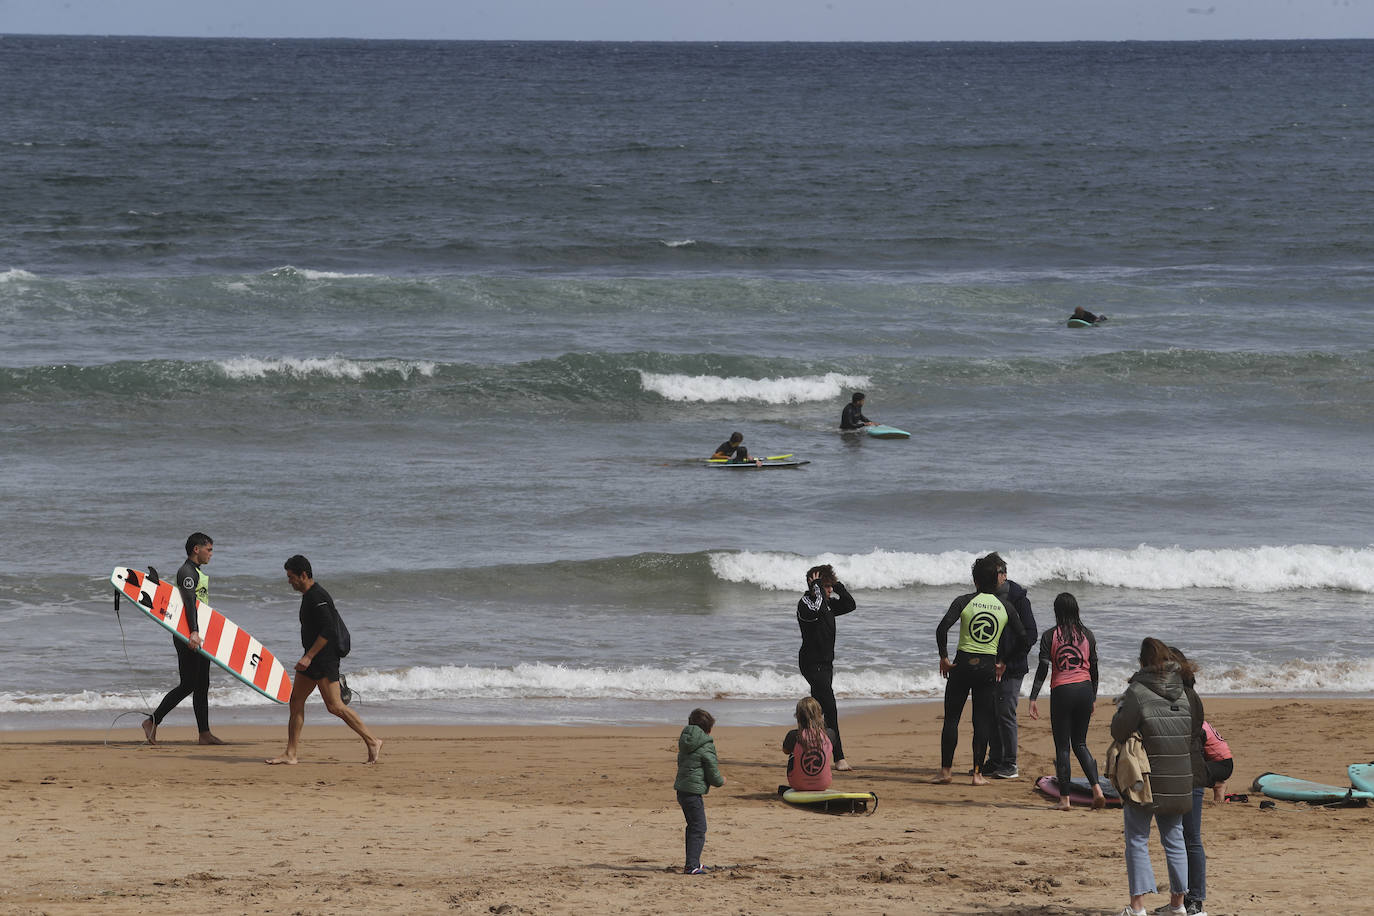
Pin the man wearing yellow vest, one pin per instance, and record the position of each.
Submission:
(990, 631)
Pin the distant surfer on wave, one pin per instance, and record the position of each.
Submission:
(319, 666)
(1082, 314)
(193, 667)
(852, 417)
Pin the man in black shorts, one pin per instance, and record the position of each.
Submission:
(194, 668)
(319, 666)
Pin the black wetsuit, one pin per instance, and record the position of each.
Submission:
(852, 417)
(732, 451)
(1071, 705)
(320, 618)
(816, 617)
(193, 667)
(974, 673)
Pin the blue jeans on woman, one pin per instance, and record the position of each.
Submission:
(1197, 857)
(1140, 875)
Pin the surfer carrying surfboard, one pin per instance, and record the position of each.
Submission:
(319, 666)
(193, 666)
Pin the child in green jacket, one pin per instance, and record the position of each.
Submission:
(697, 771)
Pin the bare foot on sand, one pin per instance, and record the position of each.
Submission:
(1064, 804)
(150, 729)
(978, 780)
(842, 764)
(1099, 800)
(207, 738)
(945, 778)
(282, 760)
(374, 750)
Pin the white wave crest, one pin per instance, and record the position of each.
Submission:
(712, 388)
(248, 367)
(677, 243)
(539, 681)
(305, 273)
(15, 275)
(1245, 569)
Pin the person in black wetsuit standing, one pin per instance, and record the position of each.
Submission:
(194, 668)
(852, 417)
(825, 599)
(990, 630)
(319, 666)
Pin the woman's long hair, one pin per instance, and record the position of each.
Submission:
(811, 722)
(1154, 654)
(1066, 617)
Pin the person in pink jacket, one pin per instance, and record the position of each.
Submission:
(809, 747)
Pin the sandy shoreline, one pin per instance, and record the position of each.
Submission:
(553, 820)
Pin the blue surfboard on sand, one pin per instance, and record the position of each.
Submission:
(1362, 776)
(1289, 788)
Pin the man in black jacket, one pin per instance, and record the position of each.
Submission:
(826, 598)
(1002, 748)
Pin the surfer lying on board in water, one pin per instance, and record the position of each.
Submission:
(1082, 314)
(193, 667)
(319, 666)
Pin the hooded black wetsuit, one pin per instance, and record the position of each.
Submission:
(816, 617)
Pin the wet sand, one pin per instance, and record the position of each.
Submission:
(563, 820)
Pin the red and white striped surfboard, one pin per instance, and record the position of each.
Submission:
(223, 642)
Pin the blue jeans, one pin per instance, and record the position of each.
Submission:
(1197, 856)
(1140, 875)
(694, 810)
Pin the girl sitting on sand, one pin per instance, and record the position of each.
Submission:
(809, 747)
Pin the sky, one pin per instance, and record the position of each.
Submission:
(700, 20)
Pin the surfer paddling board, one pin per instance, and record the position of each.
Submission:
(223, 641)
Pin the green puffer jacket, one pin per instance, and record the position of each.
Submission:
(697, 767)
(1155, 705)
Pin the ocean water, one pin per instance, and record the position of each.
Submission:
(459, 320)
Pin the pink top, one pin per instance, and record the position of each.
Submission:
(1071, 660)
(1214, 747)
(808, 769)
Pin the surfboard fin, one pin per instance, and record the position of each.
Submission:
(152, 575)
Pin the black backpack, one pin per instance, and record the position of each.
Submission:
(345, 638)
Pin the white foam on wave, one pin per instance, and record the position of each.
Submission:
(251, 367)
(539, 681)
(1245, 569)
(306, 273)
(785, 390)
(16, 275)
(678, 243)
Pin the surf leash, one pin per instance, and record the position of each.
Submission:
(124, 644)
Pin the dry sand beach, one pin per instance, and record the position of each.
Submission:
(562, 820)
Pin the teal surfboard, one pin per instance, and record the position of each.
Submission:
(1080, 323)
(887, 432)
(1289, 788)
(1362, 776)
(831, 800)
